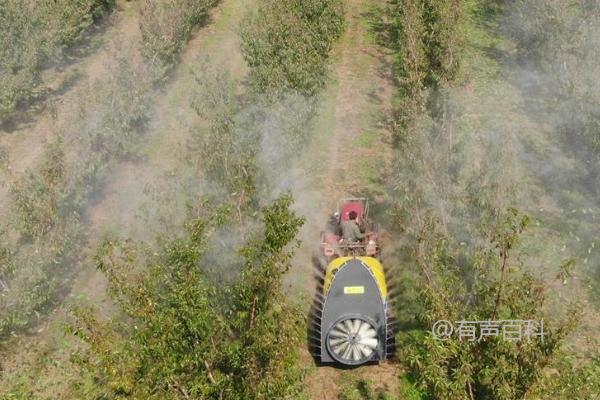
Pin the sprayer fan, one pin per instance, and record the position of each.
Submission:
(352, 341)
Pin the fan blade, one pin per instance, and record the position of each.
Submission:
(341, 348)
(370, 342)
(371, 333)
(348, 352)
(364, 327)
(366, 350)
(338, 332)
(335, 342)
(356, 323)
(349, 325)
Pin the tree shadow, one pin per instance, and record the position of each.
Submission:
(25, 111)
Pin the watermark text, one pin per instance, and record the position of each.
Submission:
(513, 330)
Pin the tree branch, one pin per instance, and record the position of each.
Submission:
(252, 313)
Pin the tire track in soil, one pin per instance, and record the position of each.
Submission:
(351, 154)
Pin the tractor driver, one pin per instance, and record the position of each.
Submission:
(333, 225)
(350, 231)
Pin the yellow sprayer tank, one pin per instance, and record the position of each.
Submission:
(353, 322)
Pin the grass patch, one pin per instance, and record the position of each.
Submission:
(362, 389)
(407, 389)
(366, 138)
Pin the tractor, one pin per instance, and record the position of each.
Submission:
(351, 319)
(332, 243)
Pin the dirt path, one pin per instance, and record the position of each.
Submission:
(360, 149)
(350, 155)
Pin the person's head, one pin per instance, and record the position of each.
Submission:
(352, 215)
